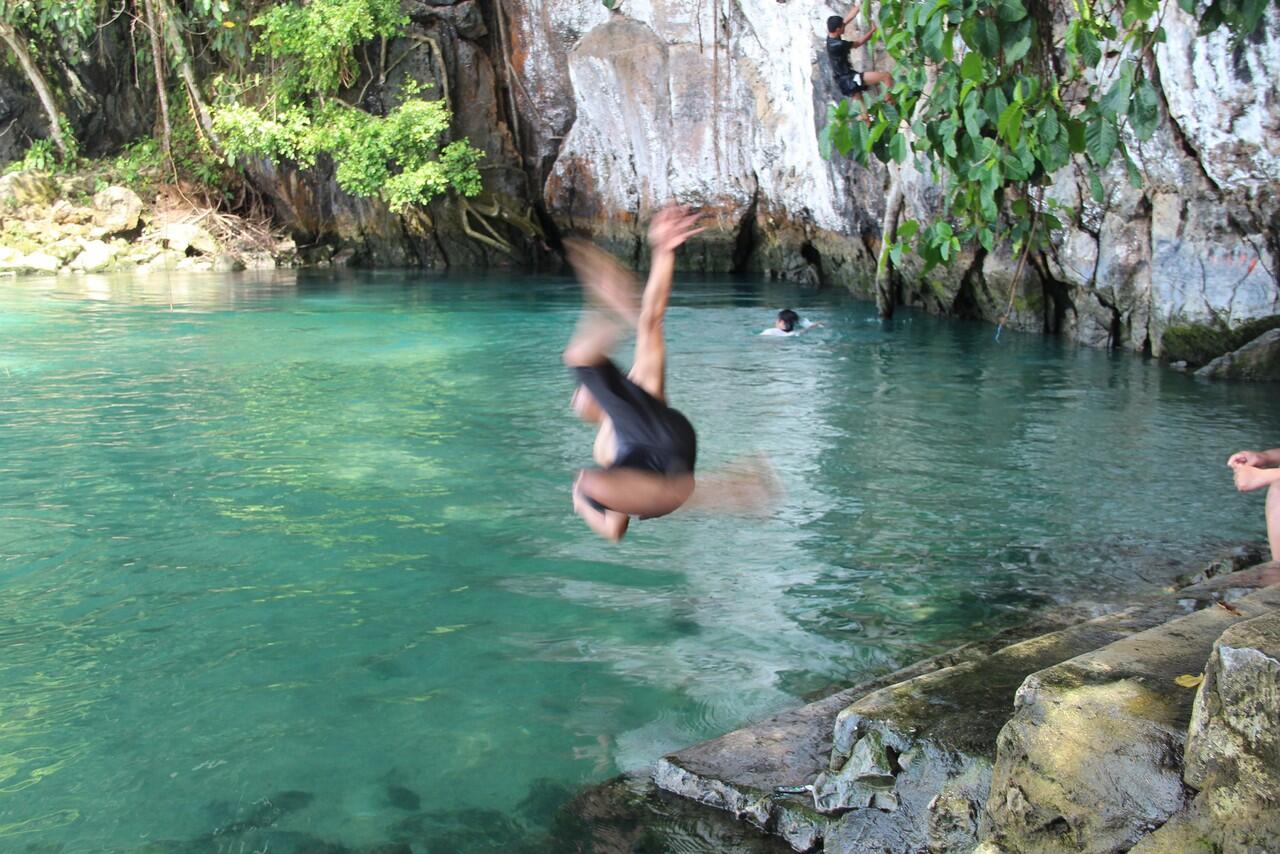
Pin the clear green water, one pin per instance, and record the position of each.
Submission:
(314, 537)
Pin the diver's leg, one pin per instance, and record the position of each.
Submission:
(635, 492)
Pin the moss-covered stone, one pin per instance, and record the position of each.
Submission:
(1201, 343)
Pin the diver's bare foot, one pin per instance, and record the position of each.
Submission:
(606, 281)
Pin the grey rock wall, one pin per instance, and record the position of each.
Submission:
(718, 104)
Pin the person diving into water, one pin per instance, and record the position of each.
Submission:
(646, 450)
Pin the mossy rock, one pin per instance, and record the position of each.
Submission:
(1201, 343)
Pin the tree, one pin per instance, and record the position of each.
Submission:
(296, 111)
(24, 23)
(993, 115)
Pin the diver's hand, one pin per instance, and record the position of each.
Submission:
(672, 226)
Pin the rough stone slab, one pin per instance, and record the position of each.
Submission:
(1235, 585)
(1233, 749)
(1259, 360)
(739, 772)
(914, 759)
(1091, 760)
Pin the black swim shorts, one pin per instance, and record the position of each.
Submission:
(651, 436)
(851, 84)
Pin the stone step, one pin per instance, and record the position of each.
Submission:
(1091, 759)
(1232, 754)
(923, 740)
(1233, 586)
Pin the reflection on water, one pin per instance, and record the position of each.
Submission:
(289, 561)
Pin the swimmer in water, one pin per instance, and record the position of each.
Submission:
(790, 323)
(645, 449)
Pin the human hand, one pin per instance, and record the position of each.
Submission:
(1245, 458)
(1248, 478)
(672, 226)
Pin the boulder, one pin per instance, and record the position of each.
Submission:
(259, 261)
(64, 213)
(225, 262)
(35, 262)
(164, 261)
(20, 189)
(1233, 748)
(186, 237)
(1258, 360)
(1091, 760)
(95, 257)
(117, 210)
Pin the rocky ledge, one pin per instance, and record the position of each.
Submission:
(67, 225)
(1153, 728)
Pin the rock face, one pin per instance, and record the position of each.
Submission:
(1092, 759)
(670, 101)
(719, 105)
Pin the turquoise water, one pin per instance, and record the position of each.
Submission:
(298, 552)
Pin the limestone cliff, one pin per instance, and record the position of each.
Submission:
(718, 104)
(590, 120)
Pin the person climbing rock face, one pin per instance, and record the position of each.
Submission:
(852, 83)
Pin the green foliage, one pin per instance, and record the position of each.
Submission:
(317, 41)
(42, 156)
(1242, 17)
(401, 158)
(141, 165)
(45, 20)
(397, 158)
(997, 124)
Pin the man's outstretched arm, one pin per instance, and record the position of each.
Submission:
(853, 13)
(672, 226)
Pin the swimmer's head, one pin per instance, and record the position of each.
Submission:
(585, 405)
(835, 24)
(787, 320)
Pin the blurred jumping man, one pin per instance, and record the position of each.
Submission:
(645, 448)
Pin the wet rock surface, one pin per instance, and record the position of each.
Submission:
(906, 763)
(921, 752)
(1233, 748)
(1092, 758)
